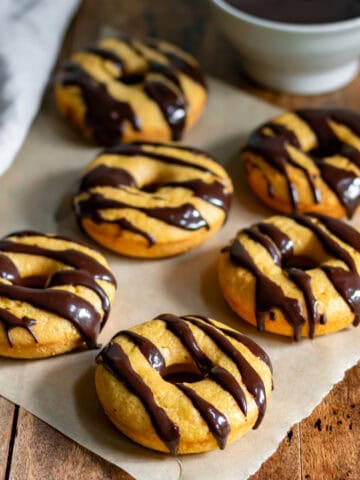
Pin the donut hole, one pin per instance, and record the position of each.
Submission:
(302, 262)
(35, 281)
(182, 372)
(132, 79)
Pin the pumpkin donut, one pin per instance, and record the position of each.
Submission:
(126, 89)
(55, 295)
(307, 161)
(183, 384)
(152, 200)
(294, 275)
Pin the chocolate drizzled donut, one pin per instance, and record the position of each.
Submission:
(174, 393)
(155, 197)
(307, 161)
(304, 275)
(131, 89)
(49, 276)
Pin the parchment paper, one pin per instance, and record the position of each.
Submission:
(61, 390)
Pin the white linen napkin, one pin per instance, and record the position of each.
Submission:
(30, 36)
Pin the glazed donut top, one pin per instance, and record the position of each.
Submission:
(340, 262)
(69, 263)
(161, 181)
(116, 361)
(329, 141)
(157, 67)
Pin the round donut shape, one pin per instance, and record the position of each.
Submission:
(126, 89)
(307, 161)
(55, 295)
(294, 275)
(152, 200)
(183, 384)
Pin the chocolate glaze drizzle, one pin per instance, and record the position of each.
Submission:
(268, 294)
(86, 270)
(185, 216)
(344, 183)
(114, 359)
(107, 116)
(217, 421)
(346, 282)
(62, 303)
(118, 363)
(11, 321)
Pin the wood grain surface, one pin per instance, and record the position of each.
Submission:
(326, 445)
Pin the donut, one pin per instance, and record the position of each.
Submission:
(183, 384)
(127, 89)
(152, 200)
(294, 275)
(307, 161)
(55, 295)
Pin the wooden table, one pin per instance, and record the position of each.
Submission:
(326, 445)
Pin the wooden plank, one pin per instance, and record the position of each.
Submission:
(330, 437)
(42, 453)
(285, 463)
(7, 430)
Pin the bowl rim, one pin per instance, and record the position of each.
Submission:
(342, 25)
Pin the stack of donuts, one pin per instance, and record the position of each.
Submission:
(188, 383)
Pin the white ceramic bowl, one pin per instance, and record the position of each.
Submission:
(305, 59)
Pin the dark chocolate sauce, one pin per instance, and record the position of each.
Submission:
(344, 232)
(185, 216)
(189, 69)
(114, 359)
(229, 383)
(210, 192)
(303, 281)
(148, 349)
(107, 55)
(348, 285)
(268, 293)
(273, 149)
(181, 329)
(127, 225)
(104, 176)
(300, 11)
(250, 377)
(105, 115)
(134, 149)
(116, 362)
(10, 321)
(284, 244)
(255, 234)
(344, 183)
(172, 105)
(75, 258)
(250, 344)
(8, 270)
(328, 243)
(216, 421)
(62, 303)
(85, 279)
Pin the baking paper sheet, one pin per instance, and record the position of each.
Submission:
(35, 194)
